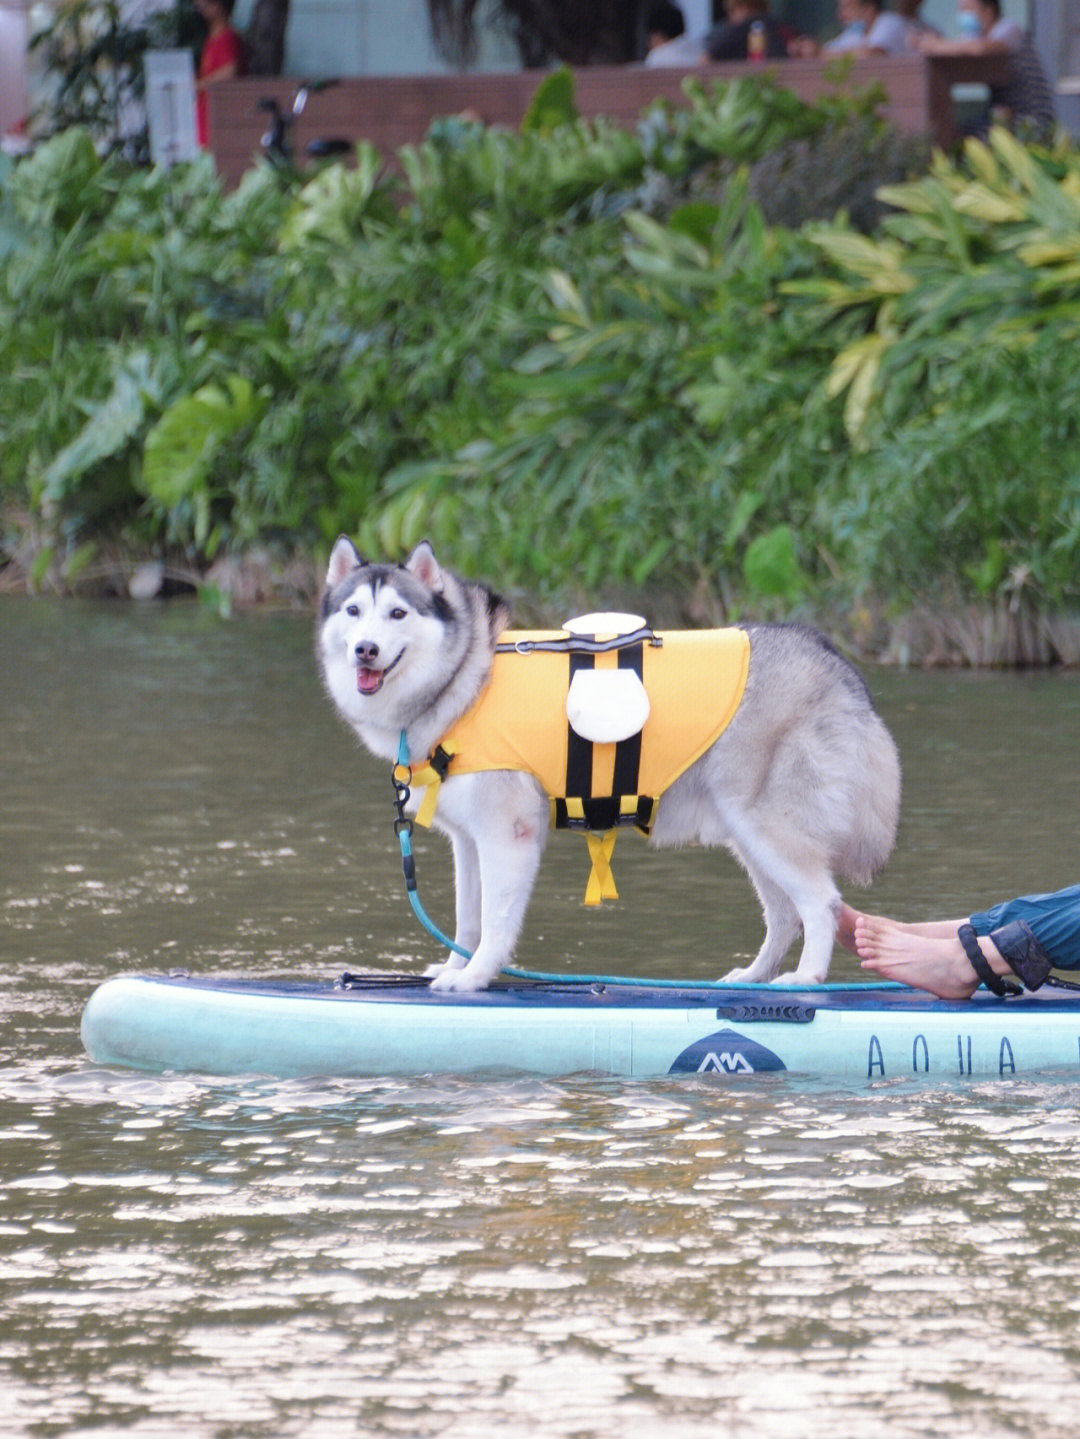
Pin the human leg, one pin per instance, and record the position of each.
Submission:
(1053, 919)
(1025, 937)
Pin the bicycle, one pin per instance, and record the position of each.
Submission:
(276, 141)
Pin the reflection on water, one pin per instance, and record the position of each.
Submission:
(445, 1256)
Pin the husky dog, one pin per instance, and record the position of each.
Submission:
(804, 783)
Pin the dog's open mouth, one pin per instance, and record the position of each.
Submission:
(369, 682)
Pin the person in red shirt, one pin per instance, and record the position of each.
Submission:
(223, 57)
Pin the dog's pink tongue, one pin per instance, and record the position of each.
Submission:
(368, 681)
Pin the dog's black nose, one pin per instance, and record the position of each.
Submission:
(366, 653)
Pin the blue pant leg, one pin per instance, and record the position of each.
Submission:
(1054, 919)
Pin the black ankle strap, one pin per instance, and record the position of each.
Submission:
(1003, 988)
(1022, 952)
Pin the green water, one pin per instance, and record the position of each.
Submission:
(452, 1257)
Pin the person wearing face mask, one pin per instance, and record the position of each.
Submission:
(1027, 96)
(911, 10)
(868, 29)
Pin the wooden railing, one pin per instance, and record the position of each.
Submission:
(390, 111)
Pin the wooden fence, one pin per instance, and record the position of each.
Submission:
(390, 111)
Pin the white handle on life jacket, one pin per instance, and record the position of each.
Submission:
(605, 624)
(606, 706)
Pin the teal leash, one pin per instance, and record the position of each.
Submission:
(403, 828)
(721, 986)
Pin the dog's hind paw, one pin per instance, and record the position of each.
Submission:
(803, 976)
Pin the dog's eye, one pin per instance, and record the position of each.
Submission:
(353, 611)
(398, 614)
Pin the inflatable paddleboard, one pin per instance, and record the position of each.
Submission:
(394, 1025)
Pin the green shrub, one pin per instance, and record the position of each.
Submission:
(579, 360)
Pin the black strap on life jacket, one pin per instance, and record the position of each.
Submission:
(579, 757)
(580, 644)
(581, 809)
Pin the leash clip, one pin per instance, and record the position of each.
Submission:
(400, 776)
(403, 829)
(402, 794)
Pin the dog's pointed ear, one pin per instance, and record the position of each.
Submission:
(344, 558)
(423, 564)
(498, 614)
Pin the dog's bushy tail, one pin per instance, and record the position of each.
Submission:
(875, 809)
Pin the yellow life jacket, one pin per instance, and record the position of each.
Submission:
(694, 682)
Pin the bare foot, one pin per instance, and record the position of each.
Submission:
(901, 952)
(845, 927)
(847, 917)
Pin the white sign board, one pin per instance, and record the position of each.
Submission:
(170, 106)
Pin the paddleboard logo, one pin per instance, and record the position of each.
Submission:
(726, 1052)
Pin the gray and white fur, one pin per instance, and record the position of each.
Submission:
(802, 786)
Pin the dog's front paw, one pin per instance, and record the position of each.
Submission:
(448, 966)
(451, 962)
(745, 975)
(452, 980)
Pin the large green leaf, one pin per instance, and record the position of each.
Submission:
(183, 445)
(109, 428)
(771, 565)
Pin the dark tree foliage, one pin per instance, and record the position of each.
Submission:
(605, 32)
(265, 37)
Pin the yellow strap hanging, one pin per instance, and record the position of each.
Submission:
(429, 778)
(601, 880)
(426, 813)
(601, 883)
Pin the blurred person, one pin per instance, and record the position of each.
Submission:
(668, 42)
(1027, 96)
(748, 32)
(223, 57)
(868, 29)
(911, 10)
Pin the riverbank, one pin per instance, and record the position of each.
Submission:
(1003, 633)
